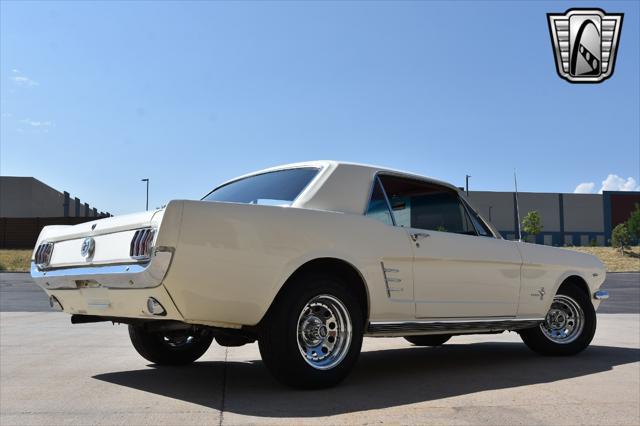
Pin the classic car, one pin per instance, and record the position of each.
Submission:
(308, 259)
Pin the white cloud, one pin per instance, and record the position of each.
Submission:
(617, 183)
(35, 126)
(22, 80)
(611, 183)
(35, 123)
(585, 188)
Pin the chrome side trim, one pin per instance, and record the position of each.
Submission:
(406, 328)
(137, 275)
(601, 295)
(388, 280)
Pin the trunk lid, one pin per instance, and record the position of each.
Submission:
(111, 239)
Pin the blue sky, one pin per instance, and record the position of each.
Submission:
(95, 96)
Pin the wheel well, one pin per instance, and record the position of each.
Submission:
(578, 282)
(336, 267)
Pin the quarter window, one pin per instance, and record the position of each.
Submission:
(423, 205)
(378, 207)
(478, 223)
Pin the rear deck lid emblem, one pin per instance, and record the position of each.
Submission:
(87, 248)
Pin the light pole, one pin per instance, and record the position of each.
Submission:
(146, 180)
(490, 207)
(466, 186)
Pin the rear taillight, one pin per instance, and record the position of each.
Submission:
(43, 255)
(141, 244)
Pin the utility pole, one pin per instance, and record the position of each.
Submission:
(466, 186)
(146, 180)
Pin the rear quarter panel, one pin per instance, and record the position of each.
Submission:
(232, 259)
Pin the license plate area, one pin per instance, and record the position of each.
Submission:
(87, 283)
(96, 297)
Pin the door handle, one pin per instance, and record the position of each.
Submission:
(418, 236)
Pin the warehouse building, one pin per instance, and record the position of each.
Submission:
(27, 205)
(567, 219)
(28, 197)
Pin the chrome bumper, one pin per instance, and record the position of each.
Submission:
(135, 275)
(601, 295)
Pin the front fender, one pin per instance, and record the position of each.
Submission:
(546, 268)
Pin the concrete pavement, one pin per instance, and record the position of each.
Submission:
(52, 372)
(55, 373)
(624, 289)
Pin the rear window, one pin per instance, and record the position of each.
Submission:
(279, 188)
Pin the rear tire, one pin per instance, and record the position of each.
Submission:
(312, 336)
(429, 340)
(170, 347)
(568, 327)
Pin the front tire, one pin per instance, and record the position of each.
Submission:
(170, 347)
(429, 340)
(313, 335)
(568, 327)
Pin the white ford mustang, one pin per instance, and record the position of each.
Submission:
(307, 259)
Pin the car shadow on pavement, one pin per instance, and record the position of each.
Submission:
(381, 379)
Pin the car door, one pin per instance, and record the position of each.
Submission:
(396, 261)
(460, 269)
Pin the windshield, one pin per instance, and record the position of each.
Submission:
(279, 188)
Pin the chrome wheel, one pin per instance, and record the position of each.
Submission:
(564, 321)
(324, 332)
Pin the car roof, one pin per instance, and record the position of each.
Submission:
(339, 186)
(348, 164)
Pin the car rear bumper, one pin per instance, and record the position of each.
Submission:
(129, 275)
(109, 302)
(118, 290)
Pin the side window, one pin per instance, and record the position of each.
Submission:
(478, 223)
(423, 205)
(378, 208)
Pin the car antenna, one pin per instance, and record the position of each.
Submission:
(515, 181)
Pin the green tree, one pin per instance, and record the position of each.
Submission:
(532, 223)
(633, 224)
(620, 237)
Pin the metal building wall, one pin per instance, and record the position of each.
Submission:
(584, 219)
(567, 219)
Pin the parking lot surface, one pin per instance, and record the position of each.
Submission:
(52, 372)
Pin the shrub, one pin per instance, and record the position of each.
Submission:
(633, 224)
(620, 237)
(532, 224)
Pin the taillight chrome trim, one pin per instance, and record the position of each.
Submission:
(141, 245)
(43, 254)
